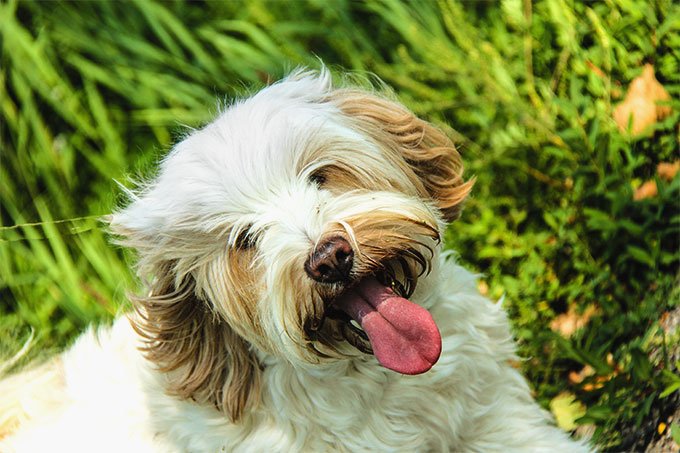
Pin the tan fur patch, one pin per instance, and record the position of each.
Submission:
(429, 153)
(206, 359)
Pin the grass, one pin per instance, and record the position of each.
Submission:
(96, 92)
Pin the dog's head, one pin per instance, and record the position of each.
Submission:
(298, 215)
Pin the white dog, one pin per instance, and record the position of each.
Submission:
(297, 300)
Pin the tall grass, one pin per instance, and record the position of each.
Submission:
(96, 92)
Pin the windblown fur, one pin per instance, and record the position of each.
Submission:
(235, 345)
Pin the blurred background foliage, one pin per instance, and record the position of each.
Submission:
(96, 92)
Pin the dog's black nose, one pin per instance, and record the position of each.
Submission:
(331, 261)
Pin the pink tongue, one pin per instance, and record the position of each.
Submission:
(403, 335)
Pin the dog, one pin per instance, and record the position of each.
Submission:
(296, 298)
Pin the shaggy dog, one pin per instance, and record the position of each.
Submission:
(297, 300)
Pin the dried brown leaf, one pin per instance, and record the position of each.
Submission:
(571, 321)
(641, 100)
(483, 287)
(576, 377)
(646, 190)
(668, 170)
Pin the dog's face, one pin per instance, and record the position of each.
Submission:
(295, 211)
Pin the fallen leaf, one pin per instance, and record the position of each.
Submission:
(593, 386)
(646, 190)
(599, 382)
(516, 364)
(585, 431)
(641, 103)
(571, 321)
(483, 287)
(567, 410)
(578, 377)
(668, 170)
(610, 360)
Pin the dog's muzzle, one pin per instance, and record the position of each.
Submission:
(373, 310)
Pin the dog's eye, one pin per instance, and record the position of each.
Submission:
(245, 240)
(317, 178)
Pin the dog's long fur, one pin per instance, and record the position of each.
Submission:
(230, 347)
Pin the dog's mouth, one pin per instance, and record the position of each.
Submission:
(375, 316)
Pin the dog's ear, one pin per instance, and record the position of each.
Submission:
(169, 224)
(207, 362)
(427, 150)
